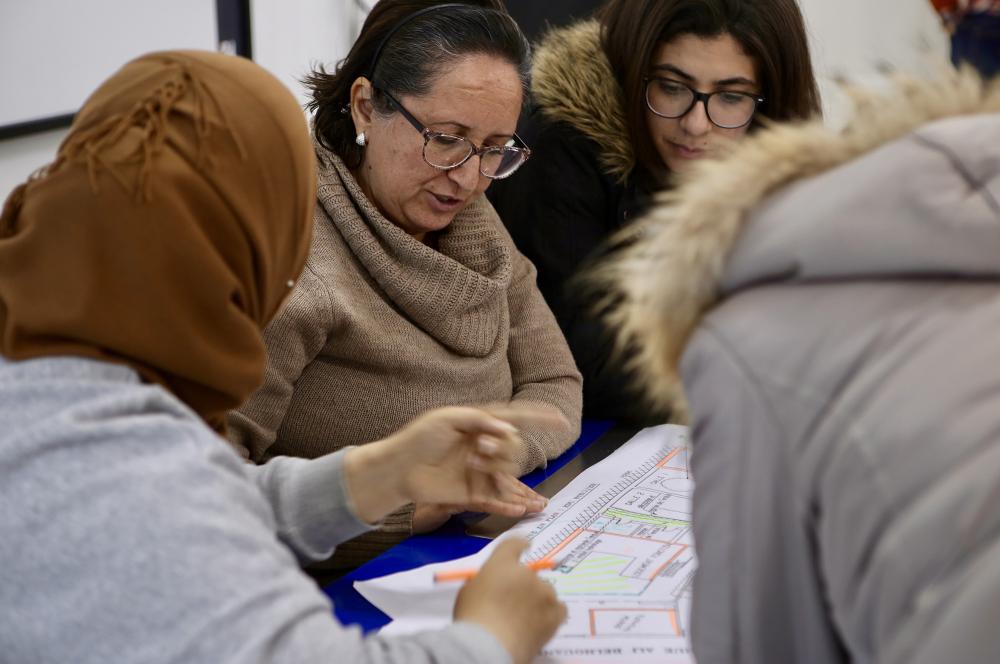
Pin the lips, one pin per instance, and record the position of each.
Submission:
(687, 152)
(444, 204)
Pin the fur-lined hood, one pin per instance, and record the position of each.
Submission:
(572, 82)
(800, 202)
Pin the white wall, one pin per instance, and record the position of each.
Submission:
(53, 53)
(850, 38)
(291, 36)
(858, 40)
(856, 37)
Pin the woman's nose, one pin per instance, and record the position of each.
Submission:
(696, 122)
(467, 175)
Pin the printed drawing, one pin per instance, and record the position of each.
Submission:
(624, 552)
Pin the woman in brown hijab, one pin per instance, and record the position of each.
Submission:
(135, 274)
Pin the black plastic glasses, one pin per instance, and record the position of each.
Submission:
(725, 108)
(447, 151)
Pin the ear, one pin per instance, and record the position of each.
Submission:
(361, 104)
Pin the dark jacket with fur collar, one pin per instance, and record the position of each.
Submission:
(578, 187)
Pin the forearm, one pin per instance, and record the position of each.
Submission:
(542, 369)
(374, 480)
(541, 444)
(215, 584)
(311, 502)
(322, 502)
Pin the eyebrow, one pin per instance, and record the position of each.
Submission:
(735, 80)
(462, 127)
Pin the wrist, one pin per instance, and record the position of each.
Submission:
(374, 480)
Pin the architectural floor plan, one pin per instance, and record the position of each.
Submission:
(620, 539)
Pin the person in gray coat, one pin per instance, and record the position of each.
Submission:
(825, 307)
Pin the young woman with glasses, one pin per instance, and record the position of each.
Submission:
(413, 295)
(622, 103)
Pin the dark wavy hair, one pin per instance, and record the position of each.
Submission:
(420, 46)
(771, 32)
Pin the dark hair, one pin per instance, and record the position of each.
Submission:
(420, 45)
(771, 32)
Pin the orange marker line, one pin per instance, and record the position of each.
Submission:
(466, 574)
(674, 452)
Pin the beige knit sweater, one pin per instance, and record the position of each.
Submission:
(381, 328)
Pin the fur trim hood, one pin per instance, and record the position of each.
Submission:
(572, 82)
(677, 262)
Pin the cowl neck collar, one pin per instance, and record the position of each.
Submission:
(456, 293)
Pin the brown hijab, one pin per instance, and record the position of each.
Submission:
(167, 231)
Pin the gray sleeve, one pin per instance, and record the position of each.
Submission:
(312, 511)
(148, 542)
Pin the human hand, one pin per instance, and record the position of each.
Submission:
(428, 517)
(456, 457)
(511, 602)
(521, 499)
(453, 464)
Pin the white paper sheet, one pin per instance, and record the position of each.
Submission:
(620, 534)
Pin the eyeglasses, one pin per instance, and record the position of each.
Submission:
(446, 151)
(725, 108)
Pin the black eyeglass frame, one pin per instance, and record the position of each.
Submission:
(480, 150)
(703, 97)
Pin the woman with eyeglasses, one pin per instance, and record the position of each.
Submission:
(136, 272)
(413, 295)
(622, 104)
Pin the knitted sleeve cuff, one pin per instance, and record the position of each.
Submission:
(400, 521)
(313, 510)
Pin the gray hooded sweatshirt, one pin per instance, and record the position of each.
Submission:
(130, 532)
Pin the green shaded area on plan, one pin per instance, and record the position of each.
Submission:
(644, 518)
(598, 573)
